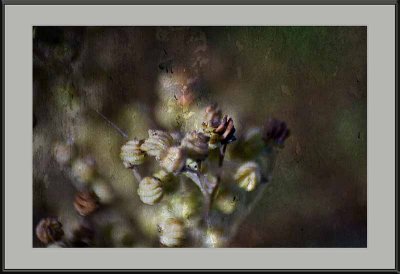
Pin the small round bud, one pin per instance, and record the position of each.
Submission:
(157, 143)
(103, 191)
(192, 164)
(214, 238)
(63, 153)
(86, 203)
(173, 160)
(275, 131)
(150, 190)
(49, 230)
(131, 154)
(122, 235)
(248, 176)
(172, 232)
(58, 244)
(196, 145)
(82, 236)
(184, 205)
(225, 202)
(83, 169)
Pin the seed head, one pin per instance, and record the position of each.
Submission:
(172, 232)
(173, 160)
(83, 169)
(131, 153)
(49, 230)
(221, 130)
(196, 145)
(150, 190)
(157, 143)
(248, 176)
(275, 131)
(86, 203)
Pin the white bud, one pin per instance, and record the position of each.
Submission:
(172, 232)
(150, 190)
(248, 176)
(131, 154)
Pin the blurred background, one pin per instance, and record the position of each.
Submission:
(314, 78)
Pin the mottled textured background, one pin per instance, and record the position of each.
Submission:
(314, 78)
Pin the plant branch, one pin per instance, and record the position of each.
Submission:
(136, 174)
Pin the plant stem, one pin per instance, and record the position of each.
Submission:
(136, 174)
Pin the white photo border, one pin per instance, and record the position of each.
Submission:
(19, 253)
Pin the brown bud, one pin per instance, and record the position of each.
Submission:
(196, 145)
(221, 130)
(49, 230)
(86, 203)
(82, 236)
(275, 131)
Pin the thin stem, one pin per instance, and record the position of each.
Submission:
(113, 125)
(136, 174)
(248, 209)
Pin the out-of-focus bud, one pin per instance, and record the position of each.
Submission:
(172, 232)
(196, 145)
(122, 235)
(86, 203)
(58, 244)
(82, 236)
(83, 169)
(214, 238)
(225, 202)
(103, 191)
(248, 176)
(185, 98)
(150, 190)
(184, 206)
(49, 230)
(131, 153)
(173, 160)
(275, 131)
(63, 153)
(157, 143)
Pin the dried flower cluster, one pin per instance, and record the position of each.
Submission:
(191, 155)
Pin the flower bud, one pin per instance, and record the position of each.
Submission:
(221, 130)
(248, 176)
(184, 206)
(157, 143)
(83, 169)
(150, 190)
(131, 154)
(49, 230)
(103, 191)
(214, 238)
(196, 145)
(63, 153)
(174, 160)
(82, 236)
(275, 131)
(86, 203)
(172, 232)
(225, 202)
